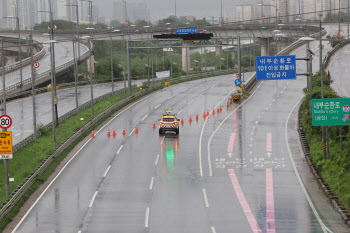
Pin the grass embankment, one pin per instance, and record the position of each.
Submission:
(336, 171)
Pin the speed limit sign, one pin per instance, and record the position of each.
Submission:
(5, 121)
(36, 65)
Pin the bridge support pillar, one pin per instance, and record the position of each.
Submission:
(186, 57)
(218, 50)
(264, 44)
(93, 64)
(10, 59)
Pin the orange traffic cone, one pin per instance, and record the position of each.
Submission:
(228, 105)
(213, 112)
(220, 108)
(109, 133)
(136, 130)
(207, 112)
(182, 121)
(197, 117)
(154, 125)
(114, 134)
(204, 115)
(124, 132)
(190, 120)
(92, 134)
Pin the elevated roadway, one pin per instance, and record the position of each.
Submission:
(230, 172)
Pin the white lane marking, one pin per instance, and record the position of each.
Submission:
(213, 229)
(109, 167)
(190, 102)
(151, 184)
(156, 162)
(147, 217)
(205, 197)
(180, 111)
(144, 117)
(79, 231)
(211, 137)
(157, 106)
(162, 140)
(93, 199)
(323, 226)
(131, 132)
(213, 86)
(120, 148)
(17, 134)
(21, 123)
(60, 172)
(171, 97)
(256, 122)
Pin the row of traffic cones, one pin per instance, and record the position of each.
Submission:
(205, 115)
(115, 134)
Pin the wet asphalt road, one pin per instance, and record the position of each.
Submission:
(230, 173)
(63, 54)
(339, 70)
(21, 110)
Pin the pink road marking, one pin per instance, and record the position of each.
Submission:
(245, 206)
(269, 142)
(230, 143)
(270, 205)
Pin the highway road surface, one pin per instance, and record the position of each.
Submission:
(339, 70)
(229, 173)
(21, 110)
(63, 54)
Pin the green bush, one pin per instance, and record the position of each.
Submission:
(335, 171)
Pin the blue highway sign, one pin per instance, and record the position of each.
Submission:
(276, 67)
(238, 82)
(186, 30)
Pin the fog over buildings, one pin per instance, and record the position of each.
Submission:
(153, 10)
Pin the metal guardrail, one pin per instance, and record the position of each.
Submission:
(16, 195)
(333, 199)
(15, 66)
(45, 74)
(25, 185)
(332, 52)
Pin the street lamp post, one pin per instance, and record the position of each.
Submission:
(77, 15)
(53, 72)
(90, 62)
(3, 112)
(75, 74)
(19, 43)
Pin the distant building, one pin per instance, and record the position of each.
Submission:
(251, 12)
(134, 11)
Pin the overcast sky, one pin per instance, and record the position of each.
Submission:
(164, 8)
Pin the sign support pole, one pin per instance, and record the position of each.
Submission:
(6, 162)
(341, 139)
(33, 86)
(321, 70)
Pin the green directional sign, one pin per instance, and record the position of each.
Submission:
(327, 112)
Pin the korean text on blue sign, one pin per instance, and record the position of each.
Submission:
(276, 67)
(186, 30)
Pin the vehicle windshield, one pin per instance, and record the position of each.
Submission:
(168, 119)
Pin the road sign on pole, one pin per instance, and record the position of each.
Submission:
(6, 151)
(5, 121)
(238, 82)
(327, 112)
(186, 30)
(36, 65)
(276, 67)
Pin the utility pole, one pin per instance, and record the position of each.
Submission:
(321, 70)
(128, 63)
(20, 46)
(221, 21)
(3, 111)
(75, 74)
(111, 42)
(33, 85)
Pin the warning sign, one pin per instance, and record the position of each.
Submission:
(263, 15)
(6, 151)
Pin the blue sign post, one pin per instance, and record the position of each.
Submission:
(186, 30)
(276, 67)
(238, 82)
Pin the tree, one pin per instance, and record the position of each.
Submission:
(115, 23)
(142, 23)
